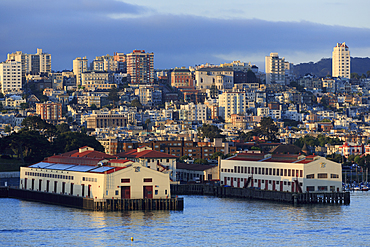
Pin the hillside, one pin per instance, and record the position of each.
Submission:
(322, 68)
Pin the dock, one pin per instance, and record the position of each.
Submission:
(174, 203)
(250, 193)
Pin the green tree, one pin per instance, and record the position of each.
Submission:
(62, 128)
(355, 76)
(215, 156)
(136, 103)
(268, 129)
(201, 161)
(7, 128)
(113, 94)
(93, 107)
(24, 106)
(209, 131)
(69, 141)
(183, 158)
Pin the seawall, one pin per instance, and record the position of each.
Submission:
(278, 196)
(91, 204)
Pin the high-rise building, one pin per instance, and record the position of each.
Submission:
(140, 67)
(341, 61)
(275, 69)
(32, 63)
(80, 65)
(10, 77)
(231, 103)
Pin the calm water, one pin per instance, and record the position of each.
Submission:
(205, 221)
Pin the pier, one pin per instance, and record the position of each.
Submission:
(92, 204)
(249, 193)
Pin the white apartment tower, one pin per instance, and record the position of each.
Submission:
(232, 103)
(275, 69)
(80, 65)
(32, 63)
(341, 61)
(10, 77)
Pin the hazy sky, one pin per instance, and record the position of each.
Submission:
(183, 33)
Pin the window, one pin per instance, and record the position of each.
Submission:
(116, 193)
(156, 192)
(148, 180)
(285, 172)
(259, 170)
(288, 172)
(165, 192)
(277, 172)
(322, 188)
(310, 188)
(263, 171)
(301, 173)
(310, 176)
(125, 180)
(322, 175)
(334, 176)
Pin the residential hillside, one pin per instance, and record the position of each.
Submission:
(322, 68)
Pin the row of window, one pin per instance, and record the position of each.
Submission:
(263, 181)
(89, 179)
(55, 187)
(47, 175)
(321, 175)
(145, 180)
(265, 171)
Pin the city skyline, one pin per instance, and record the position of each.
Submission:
(180, 35)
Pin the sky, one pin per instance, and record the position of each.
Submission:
(185, 33)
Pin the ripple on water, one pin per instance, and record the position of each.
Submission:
(205, 221)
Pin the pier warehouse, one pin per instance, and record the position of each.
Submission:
(281, 172)
(92, 174)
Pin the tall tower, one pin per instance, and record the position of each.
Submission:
(341, 61)
(79, 66)
(140, 67)
(275, 69)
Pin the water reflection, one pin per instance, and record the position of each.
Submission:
(205, 221)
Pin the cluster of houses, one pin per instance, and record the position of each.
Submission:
(122, 101)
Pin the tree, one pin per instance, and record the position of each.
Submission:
(7, 128)
(201, 161)
(136, 103)
(209, 131)
(62, 128)
(69, 141)
(93, 107)
(183, 158)
(268, 129)
(113, 94)
(215, 156)
(24, 106)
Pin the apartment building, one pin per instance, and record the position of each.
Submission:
(32, 63)
(10, 77)
(80, 65)
(232, 103)
(140, 67)
(222, 78)
(181, 77)
(341, 61)
(275, 69)
(50, 112)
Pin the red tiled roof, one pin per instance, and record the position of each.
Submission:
(119, 161)
(145, 154)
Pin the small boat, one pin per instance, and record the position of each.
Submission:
(364, 188)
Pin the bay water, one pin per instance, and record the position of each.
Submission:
(205, 221)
